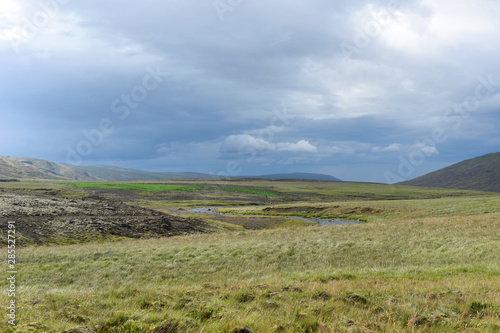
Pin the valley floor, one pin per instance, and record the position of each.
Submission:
(426, 262)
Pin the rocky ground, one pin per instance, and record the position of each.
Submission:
(54, 219)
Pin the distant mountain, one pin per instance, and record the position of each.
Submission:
(299, 175)
(116, 173)
(33, 168)
(481, 173)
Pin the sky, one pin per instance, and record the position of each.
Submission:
(376, 91)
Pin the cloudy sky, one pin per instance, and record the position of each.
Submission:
(362, 90)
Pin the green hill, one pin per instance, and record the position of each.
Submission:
(32, 168)
(481, 173)
(12, 168)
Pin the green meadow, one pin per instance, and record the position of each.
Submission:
(173, 188)
(138, 187)
(425, 260)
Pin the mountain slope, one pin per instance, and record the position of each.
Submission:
(116, 173)
(299, 175)
(481, 173)
(33, 168)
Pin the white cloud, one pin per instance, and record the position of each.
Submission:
(267, 132)
(392, 147)
(396, 147)
(303, 146)
(244, 143)
(426, 149)
(434, 29)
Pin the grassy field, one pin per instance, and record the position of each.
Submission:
(427, 261)
(381, 210)
(139, 187)
(175, 188)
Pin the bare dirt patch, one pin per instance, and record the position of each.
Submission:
(52, 219)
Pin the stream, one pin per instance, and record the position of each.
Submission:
(319, 221)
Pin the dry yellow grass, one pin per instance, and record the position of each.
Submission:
(421, 274)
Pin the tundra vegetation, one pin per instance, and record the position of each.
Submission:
(423, 260)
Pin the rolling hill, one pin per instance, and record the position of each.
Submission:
(111, 173)
(31, 168)
(481, 173)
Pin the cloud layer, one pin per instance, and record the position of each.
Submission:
(350, 89)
